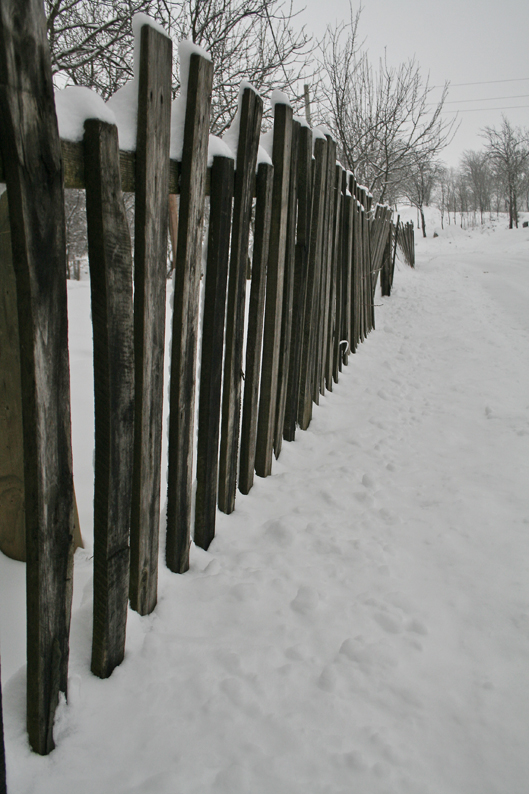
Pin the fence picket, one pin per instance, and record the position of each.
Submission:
(274, 289)
(185, 314)
(110, 258)
(250, 126)
(216, 278)
(254, 338)
(31, 154)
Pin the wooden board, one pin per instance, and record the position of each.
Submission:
(216, 278)
(274, 289)
(150, 263)
(185, 314)
(254, 338)
(30, 147)
(250, 126)
(110, 259)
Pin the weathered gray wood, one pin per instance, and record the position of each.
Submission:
(308, 352)
(274, 289)
(3, 785)
(30, 147)
(347, 278)
(185, 314)
(150, 261)
(283, 369)
(248, 145)
(254, 337)
(110, 259)
(304, 195)
(331, 366)
(12, 523)
(216, 279)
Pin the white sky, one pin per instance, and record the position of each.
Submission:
(460, 41)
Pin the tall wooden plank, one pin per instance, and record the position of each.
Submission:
(347, 277)
(288, 293)
(274, 289)
(304, 195)
(185, 314)
(254, 338)
(249, 130)
(30, 148)
(3, 785)
(216, 278)
(308, 351)
(110, 258)
(331, 353)
(150, 264)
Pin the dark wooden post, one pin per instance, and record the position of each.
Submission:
(347, 274)
(254, 338)
(185, 314)
(150, 266)
(31, 153)
(110, 257)
(274, 289)
(216, 277)
(304, 195)
(308, 351)
(333, 316)
(250, 126)
(3, 785)
(288, 293)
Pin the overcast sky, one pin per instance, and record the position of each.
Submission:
(460, 41)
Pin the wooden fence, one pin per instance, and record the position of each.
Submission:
(317, 248)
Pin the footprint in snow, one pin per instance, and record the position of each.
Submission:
(306, 600)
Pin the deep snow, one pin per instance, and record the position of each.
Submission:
(361, 622)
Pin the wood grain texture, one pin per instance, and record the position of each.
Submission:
(30, 147)
(185, 314)
(304, 197)
(283, 369)
(254, 337)
(308, 351)
(216, 278)
(110, 259)
(274, 289)
(250, 126)
(150, 262)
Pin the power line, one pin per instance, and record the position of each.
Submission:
(476, 110)
(485, 82)
(484, 99)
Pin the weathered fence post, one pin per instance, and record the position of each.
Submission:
(185, 313)
(251, 111)
(150, 264)
(304, 196)
(254, 337)
(216, 277)
(3, 785)
(31, 154)
(110, 258)
(274, 289)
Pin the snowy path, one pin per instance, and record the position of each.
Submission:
(361, 622)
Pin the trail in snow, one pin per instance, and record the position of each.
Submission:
(361, 622)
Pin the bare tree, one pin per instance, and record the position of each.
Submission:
(476, 170)
(92, 44)
(508, 151)
(381, 118)
(418, 186)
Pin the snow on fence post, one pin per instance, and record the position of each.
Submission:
(304, 193)
(254, 336)
(251, 111)
(288, 293)
(110, 259)
(308, 350)
(182, 387)
(31, 154)
(282, 142)
(346, 331)
(216, 277)
(150, 264)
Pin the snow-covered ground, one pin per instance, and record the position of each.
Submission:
(361, 622)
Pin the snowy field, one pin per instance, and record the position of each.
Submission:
(360, 624)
